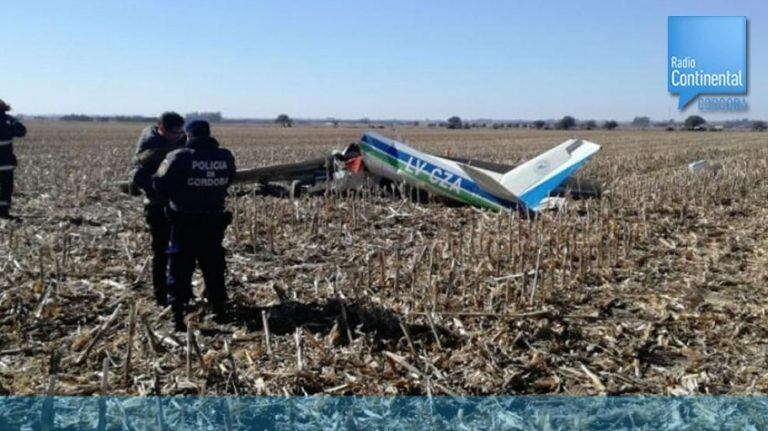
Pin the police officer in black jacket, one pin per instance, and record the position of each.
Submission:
(154, 144)
(9, 128)
(195, 181)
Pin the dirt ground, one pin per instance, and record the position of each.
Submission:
(659, 287)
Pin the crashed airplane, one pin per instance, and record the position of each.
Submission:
(378, 160)
(534, 185)
(527, 186)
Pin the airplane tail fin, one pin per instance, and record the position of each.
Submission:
(535, 179)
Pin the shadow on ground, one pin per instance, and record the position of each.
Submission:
(320, 317)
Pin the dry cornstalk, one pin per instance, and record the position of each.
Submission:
(189, 352)
(265, 326)
(403, 363)
(154, 344)
(407, 335)
(105, 376)
(129, 346)
(235, 379)
(299, 353)
(107, 323)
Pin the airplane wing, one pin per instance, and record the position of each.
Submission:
(305, 171)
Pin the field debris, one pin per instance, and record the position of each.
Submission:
(705, 166)
(658, 288)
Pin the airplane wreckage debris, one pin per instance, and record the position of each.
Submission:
(377, 161)
(705, 166)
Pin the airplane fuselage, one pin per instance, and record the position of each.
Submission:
(398, 162)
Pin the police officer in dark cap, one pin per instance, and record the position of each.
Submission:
(9, 128)
(195, 179)
(154, 144)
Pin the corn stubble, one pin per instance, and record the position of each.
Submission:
(658, 288)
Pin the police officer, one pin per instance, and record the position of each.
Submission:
(9, 128)
(195, 181)
(154, 144)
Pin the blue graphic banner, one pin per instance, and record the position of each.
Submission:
(706, 55)
(384, 413)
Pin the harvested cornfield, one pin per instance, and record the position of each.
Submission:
(657, 288)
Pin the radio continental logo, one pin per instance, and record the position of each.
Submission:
(708, 55)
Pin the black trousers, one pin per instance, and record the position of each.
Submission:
(160, 230)
(6, 191)
(196, 240)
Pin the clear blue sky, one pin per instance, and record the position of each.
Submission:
(352, 59)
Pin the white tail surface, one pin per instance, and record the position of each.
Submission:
(533, 181)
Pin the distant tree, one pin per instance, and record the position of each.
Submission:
(539, 124)
(284, 120)
(610, 125)
(759, 126)
(415, 124)
(454, 122)
(589, 125)
(566, 123)
(642, 122)
(744, 122)
(132, 119)
(693, 122)
(76, 117)
(211, 117)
